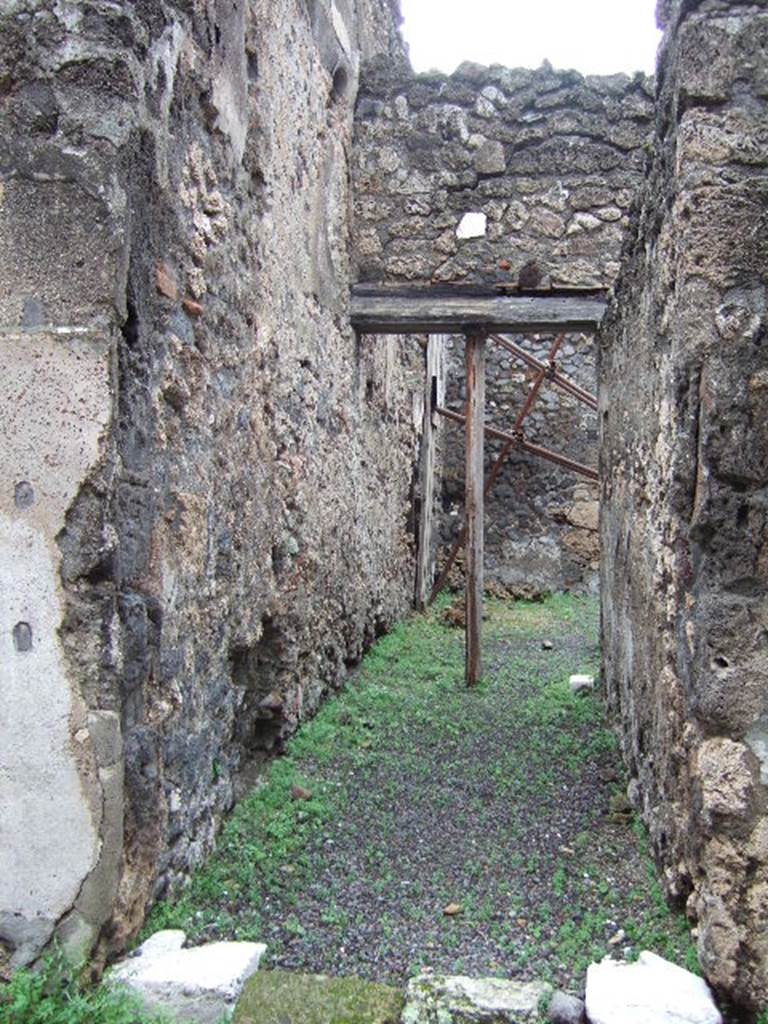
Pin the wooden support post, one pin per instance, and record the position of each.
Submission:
(475, 433)
(432, 399)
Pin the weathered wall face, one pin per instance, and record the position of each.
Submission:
(548, 161)
(683, 423)
(542, 166)
(208, 492)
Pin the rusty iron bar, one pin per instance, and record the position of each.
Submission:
(526, 446)
(557, 378)
(545, 370)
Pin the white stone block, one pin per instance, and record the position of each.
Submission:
(651, 991)
(196, 986)
(472, 225)
(580, 684)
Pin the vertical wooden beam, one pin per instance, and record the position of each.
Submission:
(475, 430)
(432, 397)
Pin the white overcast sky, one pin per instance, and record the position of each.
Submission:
(593, 36)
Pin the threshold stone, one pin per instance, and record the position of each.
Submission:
(279, 997)
(436, 999)
(651, 991)
(193, 986)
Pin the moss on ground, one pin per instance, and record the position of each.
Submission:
(274, 997)
(425, 794)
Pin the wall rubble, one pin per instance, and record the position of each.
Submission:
(683, 419)
(195, 539)
(550, 162)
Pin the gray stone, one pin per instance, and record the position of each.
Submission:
(650, 991)
(194, 986)
(27, 937)
(489, 158)
(437, 999)
(565, 1009)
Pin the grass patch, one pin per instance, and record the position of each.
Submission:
(55, 995)
(425, 794)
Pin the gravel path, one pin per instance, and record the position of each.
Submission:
(502, 806)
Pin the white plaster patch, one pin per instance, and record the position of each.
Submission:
(48, 838)
(472, 225)
(55, 404)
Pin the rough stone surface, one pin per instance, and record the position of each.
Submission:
(650, 991)
(565, 1009)
(552, 161)
(437, 999)
(195, 537)
(274, 997)
(684, 470)
(194, 986)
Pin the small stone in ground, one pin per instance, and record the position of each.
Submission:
(581, 684)
(277, 997)
(651, 991)
(547, 645)
(436, 999)
(196, 986)
(452, 909)
(565, 1009)
(299, 793)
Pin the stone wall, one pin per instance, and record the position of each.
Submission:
(543, 165)
(195, 536)
(684, 414)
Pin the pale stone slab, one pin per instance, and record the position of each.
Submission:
(651, 991)
(581, 684)
(436, 999)
(196, 986)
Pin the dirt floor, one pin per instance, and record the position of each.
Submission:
(413, 823)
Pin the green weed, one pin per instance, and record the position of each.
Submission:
(55, 995)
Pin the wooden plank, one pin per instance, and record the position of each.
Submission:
(475, 435)
(446, 314)
(432, 398)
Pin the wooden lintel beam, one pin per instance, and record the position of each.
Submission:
(455, 314)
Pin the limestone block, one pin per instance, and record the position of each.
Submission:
(436, 999)
(196, 986)
(651, 991)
